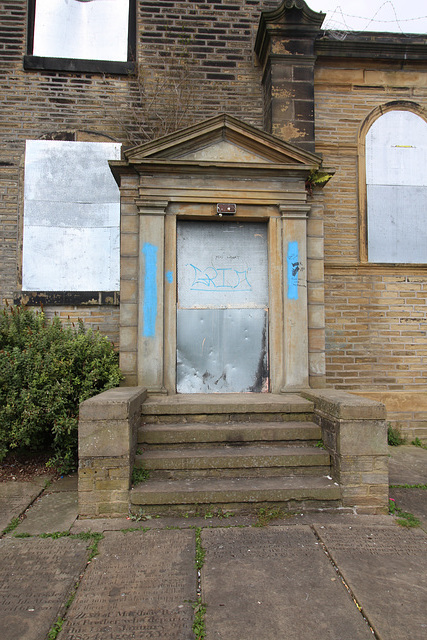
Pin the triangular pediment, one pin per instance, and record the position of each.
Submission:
(222, 139)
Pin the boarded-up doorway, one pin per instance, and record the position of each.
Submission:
(222, 307)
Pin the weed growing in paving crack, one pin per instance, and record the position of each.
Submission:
(200, 551)
(408, 486)
(217, 513)
(137, 517)
(94, 538)
(132, 529)
(404, 518)
(199, 619)
(11, 526)
(198, 606)
(267, 514)
(417, 443)
(55, 629)
(55, 535)
(93, 551)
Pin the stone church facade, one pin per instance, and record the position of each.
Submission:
(117, 148)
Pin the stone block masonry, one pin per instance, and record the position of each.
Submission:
(376, 333)
(108, 425)
(354, 432)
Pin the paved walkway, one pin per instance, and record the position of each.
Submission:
(323, 576)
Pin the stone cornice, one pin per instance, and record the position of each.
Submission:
(375, 47)
(299, 211)
(152, 207)
(291, 18)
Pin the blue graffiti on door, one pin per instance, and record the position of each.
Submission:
(220, 279)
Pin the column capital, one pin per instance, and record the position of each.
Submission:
(298, 211)
(152, 207)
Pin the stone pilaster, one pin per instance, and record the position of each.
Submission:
(295, 314)
(151, 295)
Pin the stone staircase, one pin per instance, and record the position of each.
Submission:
(236, 452)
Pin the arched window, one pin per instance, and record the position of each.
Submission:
(396, 188)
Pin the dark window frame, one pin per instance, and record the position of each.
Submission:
(73, 65)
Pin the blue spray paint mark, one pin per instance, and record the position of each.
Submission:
(149, 306)
(293, 268)
(169, 276)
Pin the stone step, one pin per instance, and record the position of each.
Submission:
(226, 407)
(201, 434)
(238, 494)
(231, 457)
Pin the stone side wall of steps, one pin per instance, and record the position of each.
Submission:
(262, 450)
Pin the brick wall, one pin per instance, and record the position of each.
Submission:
(376, 329)
(212, 42)
(103, 318)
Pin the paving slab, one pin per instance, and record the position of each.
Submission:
(325, 516)
(274, 583)
(65, 483)
(407, 465)
(386, 569)
(51, 512)
(15, 497)
(99, 525)
(140, 586)
(413, 501)
(38, 576)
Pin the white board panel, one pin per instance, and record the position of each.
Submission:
(396, 155)
(89, 259)
(57, 171)
(84, 30)
(396, 150)
(71, 217)
(70, 214)
(397, 232)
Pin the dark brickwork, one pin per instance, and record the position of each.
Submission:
(212, 42)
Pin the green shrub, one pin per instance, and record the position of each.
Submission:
(46, 370)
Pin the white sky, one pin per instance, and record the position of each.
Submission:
(397, 16)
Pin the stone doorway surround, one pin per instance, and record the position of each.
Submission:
(184, 176)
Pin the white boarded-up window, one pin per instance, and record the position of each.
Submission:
(396, 183)
(82, 29)
(71, 239)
